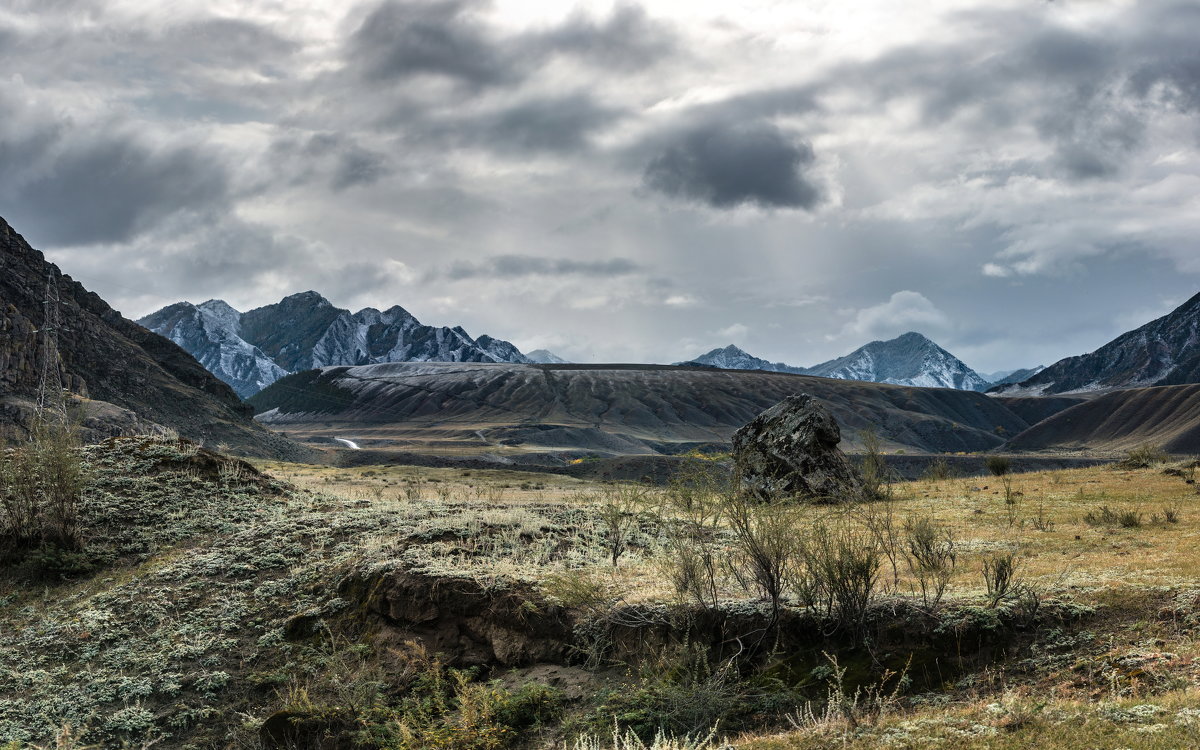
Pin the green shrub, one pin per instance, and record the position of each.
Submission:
(937, 470)
(1143, 456)
(998, 465)
(1106, 516)
(681, 694)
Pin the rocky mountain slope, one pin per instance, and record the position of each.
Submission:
(910, 359)
(1165, 351)
(605, 409)
(127, 377)
(251, 350)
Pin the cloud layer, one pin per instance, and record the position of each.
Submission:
(638, 181)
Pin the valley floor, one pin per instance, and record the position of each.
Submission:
(218, 604)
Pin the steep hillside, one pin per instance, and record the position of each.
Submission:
(1165, 351)
(254, 349)
(104, 357)
(910, 359)
(609, 409)
(1168, 416)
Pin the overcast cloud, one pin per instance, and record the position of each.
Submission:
(623, 182)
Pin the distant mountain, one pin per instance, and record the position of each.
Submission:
(1165, 351)
(733, 358)
(1013, 376)
(132, 380)
(251, 350)
(910, 359)
(544, 357)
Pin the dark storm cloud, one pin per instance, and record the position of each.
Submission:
(71, 185)
(552, 124)
(335, 159)
(404, 39)
(725, 165)
(400, 40)
(517, 266)
(627, 39)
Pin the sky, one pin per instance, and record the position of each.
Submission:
(623, 182)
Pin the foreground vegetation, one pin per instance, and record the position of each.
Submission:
(205, 602)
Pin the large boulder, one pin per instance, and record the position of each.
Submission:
(790, 451)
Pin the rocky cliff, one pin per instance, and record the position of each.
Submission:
(95, 354)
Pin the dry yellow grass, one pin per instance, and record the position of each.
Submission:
(1045, 522)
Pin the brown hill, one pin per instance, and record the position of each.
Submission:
(1119, 420)
(135, 375)
(607, 409)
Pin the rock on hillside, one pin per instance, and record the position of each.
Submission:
(1165, 351)
(251, 350)
(104, 357)
(791, 450)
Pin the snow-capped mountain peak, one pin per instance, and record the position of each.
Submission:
(302, 331)
(909, 359)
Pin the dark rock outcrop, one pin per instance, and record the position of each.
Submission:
(791, 451)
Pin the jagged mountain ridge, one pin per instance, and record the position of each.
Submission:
(910, 359)
(129, 379)
(304, 331)
(1165, 351)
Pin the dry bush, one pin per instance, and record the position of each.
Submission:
(843, 563)
(1000, 576)
(41, 487)
(931, 556)
(765, 537)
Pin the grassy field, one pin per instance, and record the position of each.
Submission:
(404, 607)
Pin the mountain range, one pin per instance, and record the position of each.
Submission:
(251, 350)
(910, 359)
(1165, 351)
